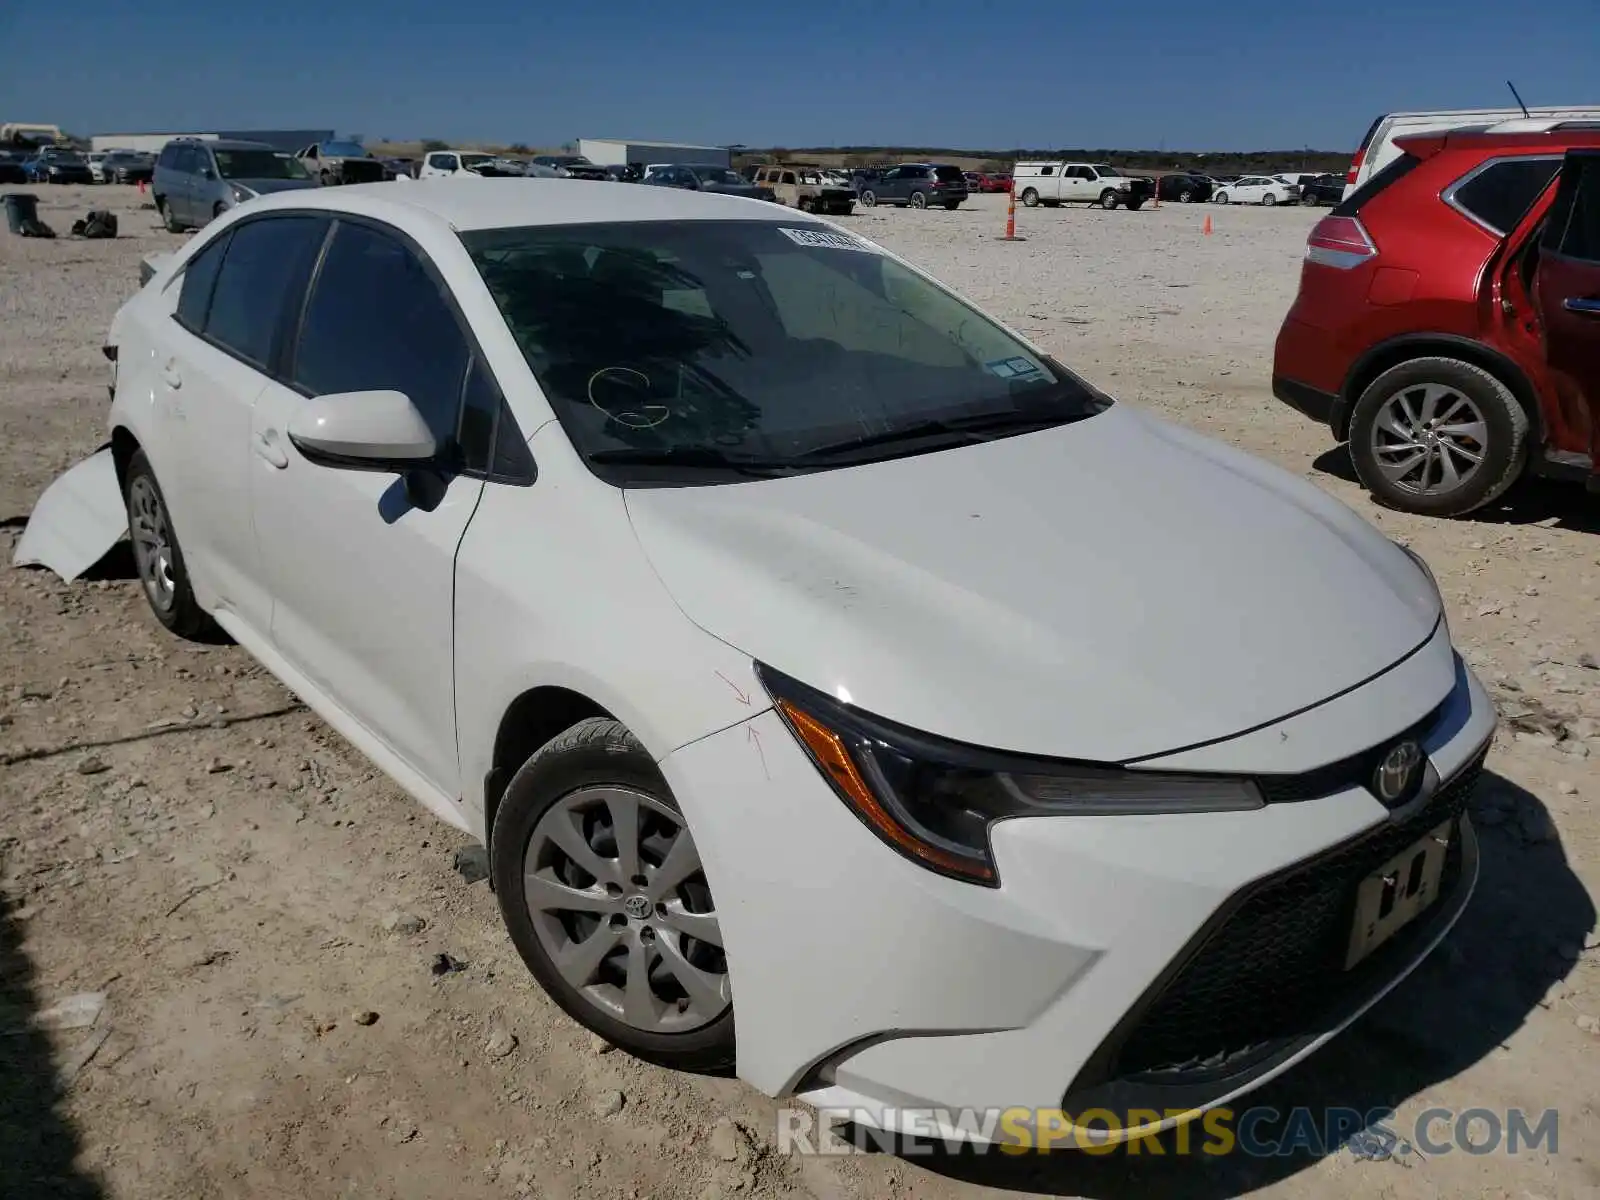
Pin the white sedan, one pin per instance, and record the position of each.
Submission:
(1255, 189)
(717, 569)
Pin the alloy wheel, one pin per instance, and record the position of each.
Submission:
(1429, 439)
(613, 883)
(152, 543)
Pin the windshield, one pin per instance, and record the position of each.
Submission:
(708, 346)
(717, 175)
(344, 150)
(258, 164)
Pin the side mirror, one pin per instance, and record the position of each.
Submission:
(371, 431)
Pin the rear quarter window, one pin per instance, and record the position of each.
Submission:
(1498, 194)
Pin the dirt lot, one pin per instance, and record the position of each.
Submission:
(178, 834)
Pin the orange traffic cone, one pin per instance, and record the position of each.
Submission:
(1208, 225)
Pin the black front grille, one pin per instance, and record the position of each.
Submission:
(1272, 965)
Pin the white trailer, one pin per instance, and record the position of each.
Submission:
(617, 152)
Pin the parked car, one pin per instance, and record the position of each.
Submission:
(719, 180)
(1448, 319)
(95, 159)
(437, 164)
(128, 166)
(196, 181)
(1055, 183)
(775, 749)
(1256, 189)
(12, 168)
(334, 163)
(1322, 189)
(1184, 188)
(916, 185)
(802, 186)
(401, 166)
(979, 181)
(572, 166)
(56, 165)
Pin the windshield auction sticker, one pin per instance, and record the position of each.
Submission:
(825, 239)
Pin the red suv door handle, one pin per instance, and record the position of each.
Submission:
(1588, 306)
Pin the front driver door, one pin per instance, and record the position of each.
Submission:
(361, 578)
(1567, 292)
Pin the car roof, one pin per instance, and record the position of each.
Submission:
(504, 203)
(225, 143)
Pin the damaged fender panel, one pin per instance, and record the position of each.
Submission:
(76, 521)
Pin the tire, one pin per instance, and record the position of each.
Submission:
(1186, 196)
(1135, 205)
(1221, 197)
(1268, 200)
(217, 210)
(571, 785)
(162, 572)
(918, 200)
(868, 198)
(1402, 389)
(952, 205)
(1108, 200)
(168, 221)
(1030, 198)
(803, 204)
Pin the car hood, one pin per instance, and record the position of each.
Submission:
(265, 187)
(1107, 590)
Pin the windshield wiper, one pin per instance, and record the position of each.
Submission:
(971, 428)
(691, 456)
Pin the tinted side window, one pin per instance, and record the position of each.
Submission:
(1579, 226)
(169, 156)
(199, 278)
(265, 270)
(1047, 171)
(1501, 193)
(377, 321)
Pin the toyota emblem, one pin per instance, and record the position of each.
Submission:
(1397, 773)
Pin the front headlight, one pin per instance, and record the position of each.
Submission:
(934, 800)
(240, 193)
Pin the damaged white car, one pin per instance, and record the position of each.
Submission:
(804, 643)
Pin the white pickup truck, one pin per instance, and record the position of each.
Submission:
(1053, 183)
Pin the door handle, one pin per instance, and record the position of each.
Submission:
(265, 443)
(1588, 306)
(171, 375)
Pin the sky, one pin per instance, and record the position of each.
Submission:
(1123, 74)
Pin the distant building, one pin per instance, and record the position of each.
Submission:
(289, 140)
(612, 152)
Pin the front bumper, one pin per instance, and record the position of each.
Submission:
(864, 982)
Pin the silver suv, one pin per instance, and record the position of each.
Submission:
(197, 180)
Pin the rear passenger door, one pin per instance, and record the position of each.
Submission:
(215, 356)
(361, 576)
(1567, 291)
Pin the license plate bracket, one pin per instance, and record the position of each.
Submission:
(1393, 896)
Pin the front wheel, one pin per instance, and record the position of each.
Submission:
(868, 198)
(1222, 197)
(1438, 436)
(601, 887)
(162, 572)
(1030, 198)
(168, 221)
(1135, 205)
(952, 205)
(1108, 199)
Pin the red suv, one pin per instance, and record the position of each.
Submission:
(1448, 321)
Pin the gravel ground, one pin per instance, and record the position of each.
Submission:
(263, 912)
